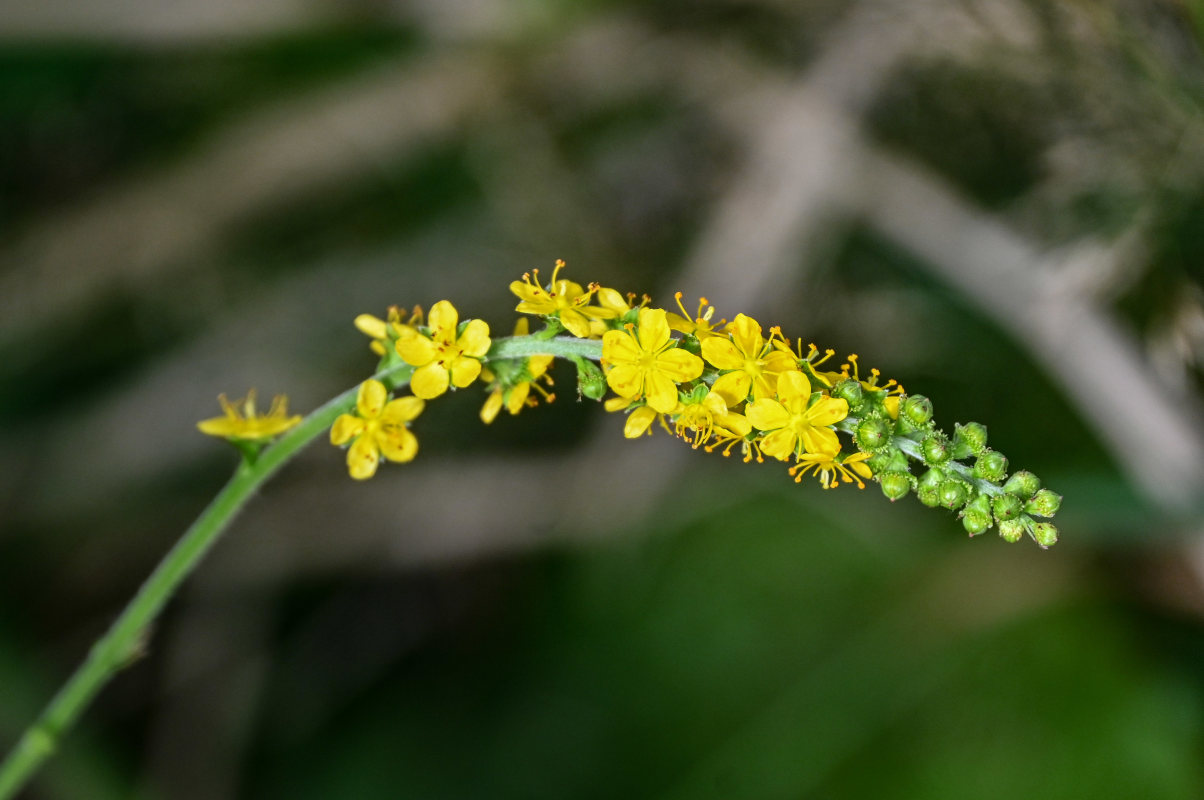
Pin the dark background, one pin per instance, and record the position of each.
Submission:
(997, 202)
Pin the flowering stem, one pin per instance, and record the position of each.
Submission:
(125, 640)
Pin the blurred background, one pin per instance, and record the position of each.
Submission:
(999, 202)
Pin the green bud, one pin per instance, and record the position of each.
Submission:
(918, 409)
(1044, 504)
(894, 484)
(1023, 484)
(1011, 530)
(952, 494)
(905, 427)
(590, 381)
(935, 449)
(969, 439)
(879, 462)
(976, 523)
(981, 504)
(1045, 534)
(872, 433)
(849, 391)
(991, 466)
(1007, 506)
(929, 495)
(897, 463)
(933, 478)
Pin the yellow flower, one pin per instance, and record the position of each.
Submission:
(379, 430)
(246, 424)
(444, 357)
(707, 417)
(563, 299)
(647, 363)
(791, 422)
(828, 469)
(751, 363)
(513, 394)
(700, 324)
(383, 333)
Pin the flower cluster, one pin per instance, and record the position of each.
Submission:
(718, 385)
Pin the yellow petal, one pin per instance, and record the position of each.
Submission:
(780, 444)
(493, 404)
(638, 422)
(402, 410)
(464, 371)
(399, 445)
(522, 327)
(617, 403)
(416, 350)
(722, 353)
(768, 415)
(793, 385)
(345, 428)
(518, 396)
(363, 458)
(827, 411)
(653, 329)
(475, 339)
(660, 392)
(576, 322)
(618, 347)
(736, 424)
(891, 404)
(611, 299)
(679, 365)
(528, 293)
(219, 426)
(541, 307)
(372, 326)
(443, 320)
(370, 400)
(430, 381)
(821, 440)
(679, 323)
(746, 333)
(538, 365)
(626, 380)
(733, 386)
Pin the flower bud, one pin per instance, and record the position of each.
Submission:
(1023, 484)
(929, 495)
(1007, 506)
(872, 433)
(590, 381)
(1011, 530)
(849, 391)
(894, 484)
(991, 466)
(905, 427)
(1045, 534)
(969, 439)
(1044, 504)
(952, 494)
(935, 449)
(918, 409)
(975, 522)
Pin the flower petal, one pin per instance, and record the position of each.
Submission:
(820, 440)
(475, 339)
(399, 445)
(363, 458)
(528, 293)
(793, 385)
(660, 392)
(780, 444)
(679, 365)
(345, 428)
(464, 371)
(518, 396)
(620, 347)
(626, 380)
(720, 351)
(746, 333)
(371, 399)
(493, 404)
(827, 411)
(733, 386)
(575, 322)
(402, 410)
(768, 415)
(443, 320)
(429, 381)
(638, 422)
(416, 350)
(653, 329)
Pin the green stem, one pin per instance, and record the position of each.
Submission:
(125, 640)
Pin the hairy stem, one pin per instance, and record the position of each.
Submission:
(126, 638)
